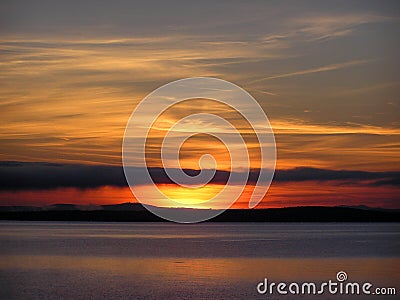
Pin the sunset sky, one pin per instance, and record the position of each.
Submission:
(326, 74)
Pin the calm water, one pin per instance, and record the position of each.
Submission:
(203, 261)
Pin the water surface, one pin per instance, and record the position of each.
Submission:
(51, 260)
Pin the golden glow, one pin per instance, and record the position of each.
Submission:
(280, 194)
(192, 197)
(222, 270)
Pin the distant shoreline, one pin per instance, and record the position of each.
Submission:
(136, 213)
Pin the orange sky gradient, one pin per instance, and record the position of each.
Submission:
(327, 78)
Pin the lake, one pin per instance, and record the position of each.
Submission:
(88, 260)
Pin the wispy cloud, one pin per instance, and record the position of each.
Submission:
(323, 27)
(326, 68)
(300, 127)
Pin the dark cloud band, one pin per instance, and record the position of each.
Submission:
(42, 175)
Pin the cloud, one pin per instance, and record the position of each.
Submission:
(69, 82)
(299, 127)
(44, 176)
(326, 68)
(324, 27)
(305, 174)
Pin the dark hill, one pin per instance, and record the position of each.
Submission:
(133, 212)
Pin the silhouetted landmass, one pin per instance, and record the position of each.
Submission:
(124, 207)
(133, 212)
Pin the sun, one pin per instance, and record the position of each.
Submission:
(191, 197)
